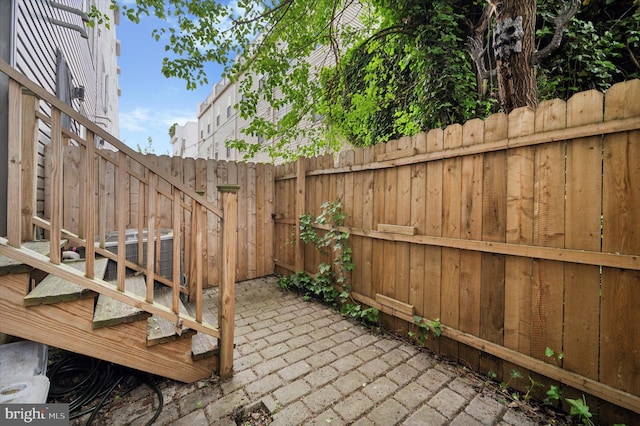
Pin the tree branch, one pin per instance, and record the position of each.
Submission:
(477, 49)
(633, 57)
(477, 52)
(561, 22)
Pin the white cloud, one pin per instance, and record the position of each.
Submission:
(142, 119)
(135, 120)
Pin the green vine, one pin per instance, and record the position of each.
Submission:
(578, 407)
(331, 283)
(421, 329)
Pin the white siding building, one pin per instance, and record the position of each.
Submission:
(184, 140)
(51, 43)
(219, 121)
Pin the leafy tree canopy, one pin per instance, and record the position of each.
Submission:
(406, 67)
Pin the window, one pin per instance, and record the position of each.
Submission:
(217, 120)
(228, 152)
(64, 85)
(260, 139)
(208, 128)
(201, 134)
(228, 106)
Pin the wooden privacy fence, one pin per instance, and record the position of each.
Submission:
(255, 207)
(520, 232)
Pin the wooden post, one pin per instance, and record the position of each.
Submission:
(56, 185)
(300, 208)
(151, 230)
(226, 308)
(29, 139)
(14, 186)
(175, 254)
(89, 204)
(121, 205)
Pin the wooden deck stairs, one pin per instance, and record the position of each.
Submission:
(139, 319)
(63, 314)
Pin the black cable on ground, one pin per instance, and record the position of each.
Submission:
(86, 384)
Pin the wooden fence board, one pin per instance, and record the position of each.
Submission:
(582, 282)
(433, 255)
(368, 205)
(417, 264)
(403, 218)
(378, 260)
(260, 219)
(518, 271)
(471, 228)
(243, 227)
(213, 235)
(164, 211)
(348, 202)
(183, 171)
(357, 220)
(620, 315)
(269, 197)
(549, 197)
(494, 210)
(387, 286)
(252, 237)
(451, 210)
(200, 185)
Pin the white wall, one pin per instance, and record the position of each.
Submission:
(185, 140)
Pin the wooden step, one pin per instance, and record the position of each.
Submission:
(203, 345)
(160, 330)
(111, 312)
(10, 266)
(69, 326)
(54, 289)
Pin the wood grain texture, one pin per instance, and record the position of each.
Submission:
(109, 312)
(549, 218)
(471, 228)
(53, 289)
(519, 230)
(620, 362)
(584, 200)
(126, 345)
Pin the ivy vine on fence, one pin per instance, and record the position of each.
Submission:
(330, 283)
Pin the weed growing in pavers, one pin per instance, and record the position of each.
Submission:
(578, 408)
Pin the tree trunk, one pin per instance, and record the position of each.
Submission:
(514, 44)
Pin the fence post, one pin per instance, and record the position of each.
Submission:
(300, 207)
(226, 303)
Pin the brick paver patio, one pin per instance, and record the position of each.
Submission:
(309, 365)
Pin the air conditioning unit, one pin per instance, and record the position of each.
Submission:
(131, 246)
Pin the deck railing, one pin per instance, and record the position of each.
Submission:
(36, 114)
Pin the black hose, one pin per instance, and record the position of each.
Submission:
(86, 384)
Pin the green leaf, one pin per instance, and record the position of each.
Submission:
(580, 409)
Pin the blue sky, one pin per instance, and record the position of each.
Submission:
(151, 103)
